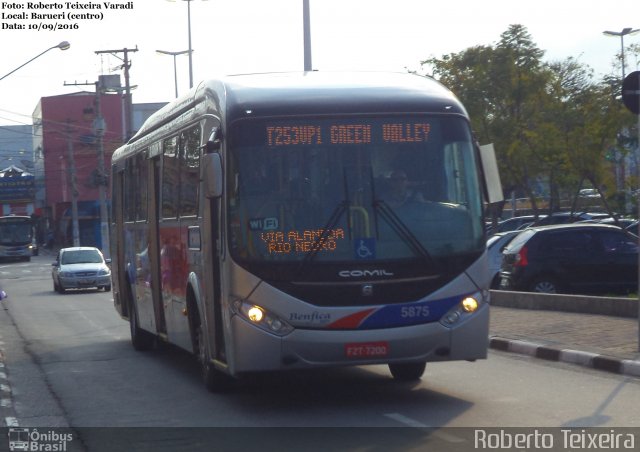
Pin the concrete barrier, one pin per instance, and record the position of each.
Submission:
(613, 306)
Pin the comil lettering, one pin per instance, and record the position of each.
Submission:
(364, 273)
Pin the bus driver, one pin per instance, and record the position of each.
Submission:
(399, 192)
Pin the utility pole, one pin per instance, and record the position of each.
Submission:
(71, 165)
(127, 86)
(99, 127)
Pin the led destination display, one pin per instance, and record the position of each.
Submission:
(332, 134)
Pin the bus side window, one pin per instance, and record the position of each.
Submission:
(189, 171)
(170, 177)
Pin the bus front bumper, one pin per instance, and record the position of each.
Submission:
(256, 350)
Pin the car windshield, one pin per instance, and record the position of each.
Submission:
(353, 189)
(81, 257)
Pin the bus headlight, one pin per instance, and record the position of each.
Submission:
(468, 305)
(260, 317)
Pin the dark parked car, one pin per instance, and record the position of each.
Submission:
(511, 224)
(495, 245)
(569, 217)
(580, 258)
(633, 228)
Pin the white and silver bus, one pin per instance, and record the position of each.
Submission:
(301, 220)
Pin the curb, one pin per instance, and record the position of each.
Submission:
(581, 358)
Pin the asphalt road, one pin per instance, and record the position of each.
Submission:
(68, 362)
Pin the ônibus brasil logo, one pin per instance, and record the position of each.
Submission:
(31, 439)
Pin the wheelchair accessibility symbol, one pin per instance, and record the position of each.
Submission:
(365, 248)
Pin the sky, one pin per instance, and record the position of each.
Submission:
(245, 36)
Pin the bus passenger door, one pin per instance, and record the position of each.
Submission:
(212, 255)
(117, 244)
(154, 244)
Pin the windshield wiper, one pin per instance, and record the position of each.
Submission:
(317, 243)
(402, 231)
(342, 207)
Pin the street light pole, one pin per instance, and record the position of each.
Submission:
(307, 35)
(64, 45)
(624, 167)
(622, 34)
(190, 48)
(175, 70)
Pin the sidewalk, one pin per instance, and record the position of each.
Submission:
(598, 341)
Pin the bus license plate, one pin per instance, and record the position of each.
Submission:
(366, 349)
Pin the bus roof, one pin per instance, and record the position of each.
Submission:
(310, 93)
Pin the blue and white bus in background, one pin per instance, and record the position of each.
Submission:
(16, 237)
(304, 220)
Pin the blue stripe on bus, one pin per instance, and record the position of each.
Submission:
(406, 314)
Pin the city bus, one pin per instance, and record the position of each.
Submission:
(16, 237)
(257, 223)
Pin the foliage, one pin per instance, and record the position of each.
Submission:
(554, 128)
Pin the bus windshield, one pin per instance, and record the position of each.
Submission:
(353, 189)
(15, 230)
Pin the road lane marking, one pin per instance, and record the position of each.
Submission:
(406, 420)
(11, 422)
(417, 424)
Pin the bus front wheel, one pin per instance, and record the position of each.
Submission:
(214, 380)
(407, 371)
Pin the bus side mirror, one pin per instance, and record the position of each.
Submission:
(212, 173)
(213, 144)
(491, 174)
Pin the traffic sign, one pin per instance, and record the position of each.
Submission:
(631, 92)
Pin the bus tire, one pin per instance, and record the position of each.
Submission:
(140, 339)
(214, 380)
(407, 371)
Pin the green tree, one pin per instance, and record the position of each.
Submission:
(503, 89)
(550, 122)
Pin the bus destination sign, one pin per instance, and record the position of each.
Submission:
(340, 134)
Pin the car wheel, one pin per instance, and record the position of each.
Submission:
(407, 371)
(58, 288)
(544, 285)
(107, 288)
